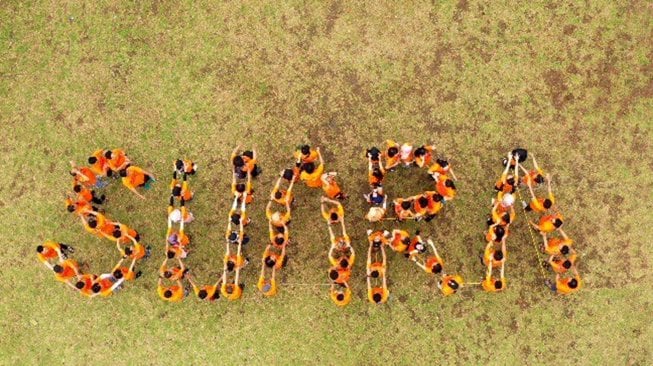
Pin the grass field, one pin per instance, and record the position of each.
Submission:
(572, 83)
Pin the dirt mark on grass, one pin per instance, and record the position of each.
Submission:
(335, 10)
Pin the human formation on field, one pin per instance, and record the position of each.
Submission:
(176, 280)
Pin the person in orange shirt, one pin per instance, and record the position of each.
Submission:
(537, 204)
(392, 157)
(561, 264)
(497, 257)
(403, 209)
(377, 238)
(267, 286)
(340, 294)
(331, 187)
(445, 187)
(85, 194)
(79, 207)
(66, 270)
(501, 218)
(566, 285)
(376, 270)
(534, 176)
(274, 260)
(106, 284)
(441, 167)
(400, 240)
(375, 173)
(450, 284)
(134, 177)
(435, 202)
(85, 176)
(173, 273)
(85, 284)
(277, 219)
(491, 284)
(119, 271)
(312, 175)
(306, 155)
(174, 293)
(136, 251)
(423, 155)
(206, 292)
(507, 183)
(496, 233)
(232, 291)
(185, 167)
(406, 154)
(420, 206)
(558, 246)
(339, 275)
(548, 223)
(416, 247)
(99, 164)
(250, 167)
(333, 215)
(433, 264)
(50, 250)
(283, 196)
(117, 159)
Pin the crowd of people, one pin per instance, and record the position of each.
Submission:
(86, 201)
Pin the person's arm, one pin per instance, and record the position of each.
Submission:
(503, 246)
(319, 155)
(331, 235)
(385, 281)
(268, 210)
(323, 210)
(117, 265)
(290, 185)
(135, 191)
(535, 162)
(276, 188)
(192, 282)
(383, 256)
(564, 235)
(548, 186)
(503, 267)
(71, 285)
(534, 225)
(369, 259)
(117, 284)
(504, 175)
(435, 251)
(488, 272)
(530, 189)
(342, 225)
(235, 152)
(452, 173)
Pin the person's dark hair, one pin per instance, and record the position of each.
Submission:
(202, 294)
(406, 240)
(305, 149)
(333, 274)
(279, 240)
(77, 188)
(437, 268)
(498, 255)
(374, 274)
(392, 152)
(377, 174)
(128, 251)
(539, 179)
(510, 181)
(453, 284)
(80, 285)
(269, 262)
(167, 294)
(344, 263)
(167, 274)
(547, 203)
(137, 237)
(92, 160)
(420, 151)
(230, 265)
(340, 296)
(281, 229)
(308, 168)
(238, 161)
(437, 197)
(557, 223)
(57, 268)
(171, 254)
(39, 248)
(423, 201)
(278, 195)
(449, 183)
(443, 163)
(92, 222)
(499, 231)
(240, 187)
(566, 264)
(71, 208)
(498, 284)
(377, 298)
(176, 191)
(235, 218)
(108, 154)
(249, 154)
(123, 172)
(117, 233)
(506, 217)
(288, 174)
(333, 216)
(405, 205)
(233, 236)
(564, 249)
(573, 283)
(96, 288)
(179, 165)
(117, 274)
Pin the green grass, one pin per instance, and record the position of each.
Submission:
(572, 83)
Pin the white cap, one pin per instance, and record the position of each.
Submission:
(175, 215)
(507, 200)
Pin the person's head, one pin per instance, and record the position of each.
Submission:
(377, 297)
(377, 173)
(80, 285)
(510, 181)
(92, 223)
(57, 268)
(167, 274)
(278, 240)
(564, 249)
(278, 195)
(547, 203)
(437, 197)
(557, 222)
(230, 265)
(420, 151)
(344, 263)
(77, 188)
(235, 219)
(92, 160)
(238, 161)
(240, 187)
(453, 284)
(423, 201)
(374, 274)
(539, 179)
(281, 229)
(108, 154)
(392, 152)
(179, 165)
(129, 251)
(333, 275)
(333, 216)
(269, 262)
(340, 296)
(309, 168)
(406, 241)
(123, 172)
(566, 264)
(498, 255)
(405, 205)
(305, 149)
(202, 294)
(170, 254)
(499, 231)
(71, 208)
(376, 243)
(443, 163)
(117, 233)
(249, 154)
(233, 236)
(39, 248)
(288, 174)
(97, 288)
(449, 183)
(176, 191)
(573, 283)
(498, 285)
(117, 274)
(167, 294)
(437, 268)
(505, 217)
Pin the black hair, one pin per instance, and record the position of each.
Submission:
(270, 262)
(557, 223)
(117, 274)
(308, 168)
(499, 231)
(333, 216)
(176, 191)
(281, 229)
(39, 248)
(288, 174)
(498, 284)
(71, 208)
(279, 240)
(96, 288)
(305, 149)
(506, 217)
(77, 188)
(92, 160)
(202, 294)
(443, 163)
(392, 151)
(333, 274)
(420, 151)
(79, 285)
(238, 161)
(233, 236)
(405, 205)
(167, 294)
(377, 173)
(249, 154)
(240, 187)
(437, 268)
(510, 181)
(449, 183)
(171, 254)
(344, 263)
(374, 274)
(377, 297)
(278, 195)
(57, 268)
(498, 255)
(137, 237)
(108, 154)
(423, 201)
(564, 249)
(547, 203)
(566, 264)
(573, 283)
(123, 172)
(453, 284)
(179, 164)
(235, 218)
(340, 296)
